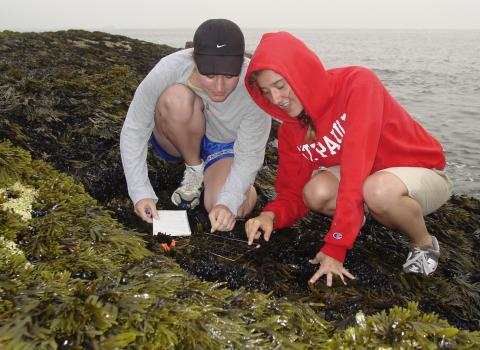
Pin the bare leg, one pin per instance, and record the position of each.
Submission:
(320, 193)
(249, 203)
(388, 202)
(180, 123)
(214, 180)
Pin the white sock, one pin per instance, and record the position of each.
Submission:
(198, 167)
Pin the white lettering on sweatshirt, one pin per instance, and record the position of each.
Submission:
(326, 145)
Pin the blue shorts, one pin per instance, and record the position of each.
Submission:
(210, 151)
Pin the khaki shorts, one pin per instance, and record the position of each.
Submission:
(429, 187)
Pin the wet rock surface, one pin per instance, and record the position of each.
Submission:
(63, 98)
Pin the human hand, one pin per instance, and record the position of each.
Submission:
(146, 209)
(329, 267)
(264, 222)
(221, 218)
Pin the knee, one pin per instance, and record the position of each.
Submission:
(377, 195)
(249, 202)
(178, 102)
(319, 198)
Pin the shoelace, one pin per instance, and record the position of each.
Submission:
(418, 261)
(191, 179)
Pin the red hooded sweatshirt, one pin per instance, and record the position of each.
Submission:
(359, 126)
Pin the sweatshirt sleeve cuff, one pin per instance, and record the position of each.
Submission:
(337, 252)
(231, 203)
(138, 195)
(277, 222)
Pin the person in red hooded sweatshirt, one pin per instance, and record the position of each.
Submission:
(345, 144)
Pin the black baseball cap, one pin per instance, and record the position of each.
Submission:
(218, 47)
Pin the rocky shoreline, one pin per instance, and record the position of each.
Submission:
(63, 98)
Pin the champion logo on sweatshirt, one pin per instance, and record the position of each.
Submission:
(337, 235)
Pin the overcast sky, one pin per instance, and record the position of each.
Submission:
(40, 15)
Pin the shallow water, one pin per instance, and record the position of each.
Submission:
(435, 75)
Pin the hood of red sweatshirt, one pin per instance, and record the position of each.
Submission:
(288, 56)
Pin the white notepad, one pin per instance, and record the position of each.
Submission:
(172, 223)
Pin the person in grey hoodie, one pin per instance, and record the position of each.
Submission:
(193, 105)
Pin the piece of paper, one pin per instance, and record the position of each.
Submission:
(172, 223)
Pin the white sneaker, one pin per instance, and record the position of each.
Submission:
(187, 195)
(423, 260)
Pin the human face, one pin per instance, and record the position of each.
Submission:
(276, 89)
(217, 87)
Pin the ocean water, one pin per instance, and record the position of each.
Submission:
(434, 74)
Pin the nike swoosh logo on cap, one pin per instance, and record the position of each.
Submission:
(222, 45)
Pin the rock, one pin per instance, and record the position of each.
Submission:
(63, 99)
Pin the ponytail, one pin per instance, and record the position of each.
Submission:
(307, 122)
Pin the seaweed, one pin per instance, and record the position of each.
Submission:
(83, 272)
(133, 298)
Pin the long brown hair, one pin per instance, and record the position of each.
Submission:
(305, 120)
